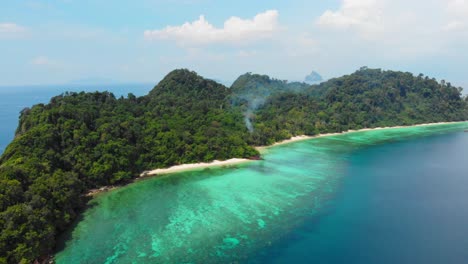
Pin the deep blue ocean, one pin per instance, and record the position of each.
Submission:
(15, 98)
(401, 202)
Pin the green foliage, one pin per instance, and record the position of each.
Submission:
(82, 140)
(251, 90)
(85, 140)
(264, 85)
(365, 99)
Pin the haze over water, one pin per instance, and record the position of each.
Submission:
(384, 196)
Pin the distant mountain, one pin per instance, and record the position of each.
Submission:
(313, 78)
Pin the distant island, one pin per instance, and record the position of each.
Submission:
(81, 141)
(313, 78)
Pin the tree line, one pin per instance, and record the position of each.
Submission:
(80, 141)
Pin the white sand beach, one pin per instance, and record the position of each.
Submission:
(304, 137)
(185, 167)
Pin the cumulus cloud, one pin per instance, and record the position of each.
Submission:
(11, 30)
(235, 30)
(363, 15)
(383, 16)
(457, 10)
(459, 7)
(406, 27)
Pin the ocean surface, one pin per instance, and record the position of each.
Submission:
(381, 196)
(13, 99)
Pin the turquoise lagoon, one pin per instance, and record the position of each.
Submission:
(378, 196)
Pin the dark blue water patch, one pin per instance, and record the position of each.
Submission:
(404, 202)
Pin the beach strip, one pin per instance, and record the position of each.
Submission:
(201, 165)
(304, 137)
(236, 161)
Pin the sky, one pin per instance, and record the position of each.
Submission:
(58, 41)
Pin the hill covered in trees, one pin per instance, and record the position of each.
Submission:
(85, 140)
(81, 141)
(367, 98)
(251, 91)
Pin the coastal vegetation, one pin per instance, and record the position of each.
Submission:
(81, 141)
(368, 98)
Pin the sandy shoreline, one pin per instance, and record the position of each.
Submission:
(235, 161)
(173, 169)
(304, 137)
(193, 166)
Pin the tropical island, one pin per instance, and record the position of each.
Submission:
(82, 141)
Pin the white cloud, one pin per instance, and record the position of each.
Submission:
(399, 27)
(11, 30)
(364, 15)
(235, 30)
(373, 17)
(457, 11)
(459, 7)
(43, 61)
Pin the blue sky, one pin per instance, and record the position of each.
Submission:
(56, 41)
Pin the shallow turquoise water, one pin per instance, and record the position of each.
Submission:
(248, 213)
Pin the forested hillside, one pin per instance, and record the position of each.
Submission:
(81, 141)
(365, 99)
(251, 91)
(84, 140)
